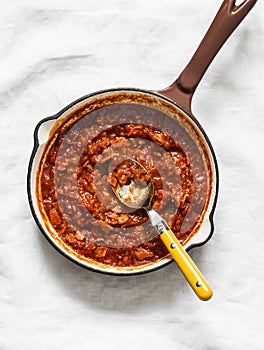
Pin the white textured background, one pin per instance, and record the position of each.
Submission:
(53, 52)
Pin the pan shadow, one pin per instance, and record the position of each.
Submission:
(128, 294)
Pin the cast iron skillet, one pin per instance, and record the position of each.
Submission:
(176, 99)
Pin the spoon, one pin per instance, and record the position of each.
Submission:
(138, 193)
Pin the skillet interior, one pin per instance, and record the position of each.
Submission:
(85, 106)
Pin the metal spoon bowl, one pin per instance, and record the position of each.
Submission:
(138, 193)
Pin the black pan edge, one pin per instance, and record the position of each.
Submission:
(36, 145)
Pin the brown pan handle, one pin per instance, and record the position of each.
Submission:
(225, 22)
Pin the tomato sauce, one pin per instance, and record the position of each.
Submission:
(75, 183)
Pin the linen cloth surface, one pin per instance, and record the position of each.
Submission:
(53, 52)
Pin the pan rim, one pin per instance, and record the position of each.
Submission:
(60, 249)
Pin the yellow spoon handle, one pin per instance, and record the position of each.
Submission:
(185, 263)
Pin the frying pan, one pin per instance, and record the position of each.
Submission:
(175, 100)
